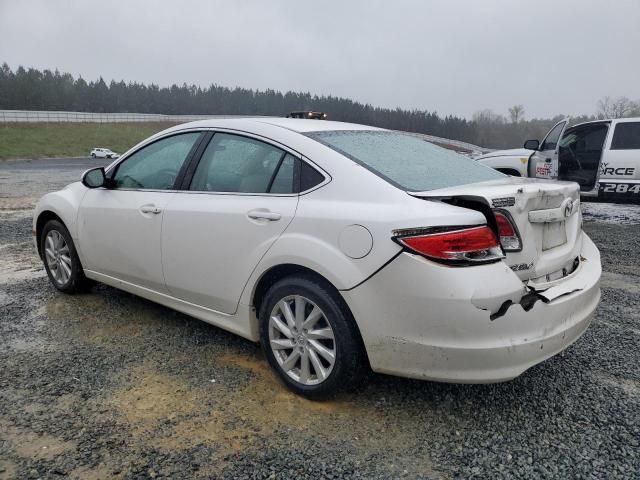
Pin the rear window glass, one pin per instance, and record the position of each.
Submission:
(626, 136)
(406, 161)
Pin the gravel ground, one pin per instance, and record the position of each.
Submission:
(107, 385)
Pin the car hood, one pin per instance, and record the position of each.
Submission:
(515, 152)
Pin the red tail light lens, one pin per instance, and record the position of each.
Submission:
(463, 246)
(509, 238)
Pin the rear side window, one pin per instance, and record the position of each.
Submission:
(309, 177)
(406, 161)
(626, 136)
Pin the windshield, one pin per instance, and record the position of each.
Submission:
(406, 161)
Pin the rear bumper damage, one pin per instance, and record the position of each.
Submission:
(470, 325)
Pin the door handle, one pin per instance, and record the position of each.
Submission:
(150, 209)
(263, 214)
(548, 160)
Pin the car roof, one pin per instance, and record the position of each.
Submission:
(300, 125)
(608, 120)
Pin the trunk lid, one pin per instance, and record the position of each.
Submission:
(546, 214)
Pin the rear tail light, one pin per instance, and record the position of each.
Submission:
(507, 231)
(461, 246)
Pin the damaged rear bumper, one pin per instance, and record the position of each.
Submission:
(424, 320)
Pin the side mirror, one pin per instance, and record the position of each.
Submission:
(94, 178)
(532, 144)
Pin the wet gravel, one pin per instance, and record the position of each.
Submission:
(107, 385)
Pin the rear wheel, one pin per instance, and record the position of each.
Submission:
(61, 259)
(93, 155)
(310, 338)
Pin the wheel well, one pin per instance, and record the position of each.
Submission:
(43, 218)
(279, 272)
(274, 274)
(509, 171)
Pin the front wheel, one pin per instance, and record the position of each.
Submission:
(61, 259)
(93, 155)
(310, 338)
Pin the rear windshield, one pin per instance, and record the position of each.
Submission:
(406, 161)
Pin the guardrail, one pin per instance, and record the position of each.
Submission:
(45, 116)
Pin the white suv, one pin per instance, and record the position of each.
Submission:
(103, 153)
(602, 156)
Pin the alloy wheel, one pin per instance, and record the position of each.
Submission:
(58, 257)
(302, 340)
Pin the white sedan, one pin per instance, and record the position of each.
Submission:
(339, 247)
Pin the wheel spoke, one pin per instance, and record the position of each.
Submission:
(65, 270)
(323, 351)
(321, 372)
(320, 334)
(305, 372)
(291, 360)
(279, 324)
(312, 319)
(50, 243)
(300, 303)
(288, 314)
(66, 260)
(282, 344)
(51, 256)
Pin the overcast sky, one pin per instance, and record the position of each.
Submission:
(454, 57)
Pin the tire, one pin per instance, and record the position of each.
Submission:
(349, 367)
(93, 155)
(63, 267)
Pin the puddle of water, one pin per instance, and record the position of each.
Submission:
(19, 262)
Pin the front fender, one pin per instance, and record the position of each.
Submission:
(64, 204)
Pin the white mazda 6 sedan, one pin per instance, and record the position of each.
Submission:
(340, 247)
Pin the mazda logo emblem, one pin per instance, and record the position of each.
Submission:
(568, 208)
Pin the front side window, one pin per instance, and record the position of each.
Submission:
(155, 166)
(551, 140)
(626, 136)
(232, 163)
(406, 161)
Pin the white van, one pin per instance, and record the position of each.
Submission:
(602, 156)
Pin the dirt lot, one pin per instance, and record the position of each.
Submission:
(107, 385)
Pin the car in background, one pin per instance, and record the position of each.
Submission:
(103, 153)
(511, 162)
(339, 247)
(310, 115)
(602, 156)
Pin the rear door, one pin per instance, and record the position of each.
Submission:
(544, 162)
(620, 168)
(240, 199)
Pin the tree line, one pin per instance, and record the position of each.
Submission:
(33, 89)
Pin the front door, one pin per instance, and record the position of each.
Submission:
(544, 162)
(119, 228)
(580, 154)
(239, 201)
